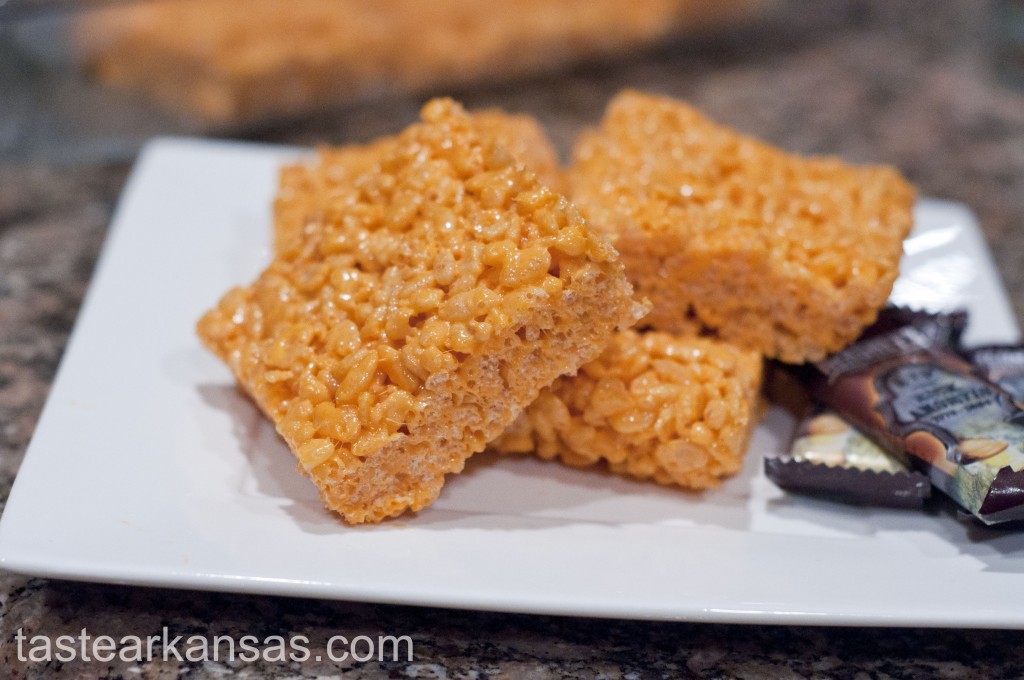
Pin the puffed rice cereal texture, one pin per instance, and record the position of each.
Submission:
(678, 410)
(729, 236)
(436, 298)
(307, 189)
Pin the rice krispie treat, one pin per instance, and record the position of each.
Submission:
(678, 410)
(432, 304)
(240, 61)
(727, 235)
(308, 189)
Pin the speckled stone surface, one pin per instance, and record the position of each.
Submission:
(908, 83)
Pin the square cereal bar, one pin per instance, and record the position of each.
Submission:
(679, 410)
(727, 235)
(429, 306)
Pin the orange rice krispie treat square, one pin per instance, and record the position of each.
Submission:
(428, 307)
(679, 410)
(308, 189)
(725, 234)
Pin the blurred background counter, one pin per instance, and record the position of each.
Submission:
(934, 88)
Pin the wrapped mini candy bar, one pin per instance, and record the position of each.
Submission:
(830, 457)
(902, 387)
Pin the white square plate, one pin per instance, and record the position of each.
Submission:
(148, 467)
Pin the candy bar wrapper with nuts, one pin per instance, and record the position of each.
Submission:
(918, 399)
(830, 457)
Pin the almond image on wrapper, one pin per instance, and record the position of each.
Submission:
(980, 448)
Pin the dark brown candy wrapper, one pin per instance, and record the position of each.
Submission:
(944, 328)
(828, 457)
(849, 484)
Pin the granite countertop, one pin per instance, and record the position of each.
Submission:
(912, 84)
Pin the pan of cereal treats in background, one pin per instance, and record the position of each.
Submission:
(236, 62)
